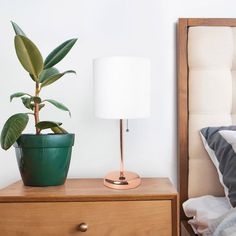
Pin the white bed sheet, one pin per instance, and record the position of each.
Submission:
(203, 210)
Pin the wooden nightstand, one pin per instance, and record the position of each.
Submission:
(151, 209)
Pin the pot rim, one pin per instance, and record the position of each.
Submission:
(29, 134)
(45, 140)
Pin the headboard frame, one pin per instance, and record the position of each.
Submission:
(183, 97)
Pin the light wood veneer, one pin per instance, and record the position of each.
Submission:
(150, 209)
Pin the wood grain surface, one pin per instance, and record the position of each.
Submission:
(150, 218)
(150, 209)
(88, 190)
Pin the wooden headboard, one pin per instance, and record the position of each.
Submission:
(183, 98)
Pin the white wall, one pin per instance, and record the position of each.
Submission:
(104, 28)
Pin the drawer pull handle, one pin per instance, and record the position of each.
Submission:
(83, 227)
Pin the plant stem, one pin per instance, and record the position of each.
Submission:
(36, 108)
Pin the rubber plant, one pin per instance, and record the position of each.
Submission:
(43, 73)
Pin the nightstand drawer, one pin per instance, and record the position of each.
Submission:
(126, 218)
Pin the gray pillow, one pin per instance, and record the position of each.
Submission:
(220, 143)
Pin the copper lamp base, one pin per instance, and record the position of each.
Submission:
(116, 181)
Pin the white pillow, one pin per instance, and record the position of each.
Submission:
(220, 143)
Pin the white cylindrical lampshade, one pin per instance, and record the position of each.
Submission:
(121, 87)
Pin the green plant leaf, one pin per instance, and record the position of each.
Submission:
(17, 29)
(41, 106)
(12, 129)
(59, 130)
(29, 55)
(54, 78)
(27, 102)
(36, 99)
(46, 73)
(32, 77)
(47, 124)
(59, 53)
(58, 105)
(32, 106)
(17, 95)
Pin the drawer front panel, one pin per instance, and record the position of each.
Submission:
(126, 218)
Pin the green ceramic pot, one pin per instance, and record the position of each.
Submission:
(44, 159)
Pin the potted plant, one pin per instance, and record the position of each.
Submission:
(43, 159)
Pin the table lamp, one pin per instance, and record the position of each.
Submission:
(121, 91)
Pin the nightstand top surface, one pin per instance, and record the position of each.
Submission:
(88, 190)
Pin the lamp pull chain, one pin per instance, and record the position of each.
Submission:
(127, 125)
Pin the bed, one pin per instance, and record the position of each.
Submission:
(206, 97)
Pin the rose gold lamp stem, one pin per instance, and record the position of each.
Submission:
(122, 179)
(121, 150)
